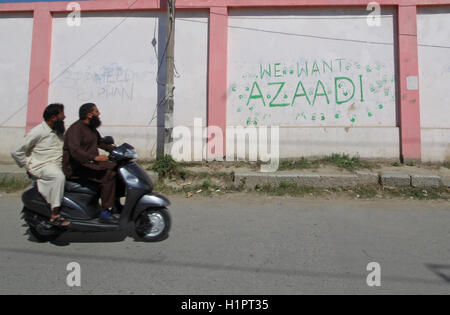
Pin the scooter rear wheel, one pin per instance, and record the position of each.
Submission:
(153, 225)
(40, 228)
(44, 238)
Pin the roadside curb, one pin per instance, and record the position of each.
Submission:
(445, 181)
(360, 178)
(394, 179)
(426, 181)
(252, 180)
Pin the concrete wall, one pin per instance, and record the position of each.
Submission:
(315, 68)
(112, 60)
(324, 76)
(434, 64)
(14, 69)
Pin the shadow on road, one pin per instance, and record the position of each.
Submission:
(92, 237)
(443, 271)
(79, 237)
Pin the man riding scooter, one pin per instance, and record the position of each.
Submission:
(41, 154)
(83, 165)
(81, 158)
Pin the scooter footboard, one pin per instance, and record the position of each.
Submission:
(150, 201)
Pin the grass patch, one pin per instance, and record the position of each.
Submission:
(242, 164)
(410, 163)
(429, 193)
(342, 161)
(294, 190)
(346, 162)
(359, 192)
(364, 192)
(205, 175)
(168, 167)
(204, 189)
(8, 184)
(298, 165)
(238, 188)
(206, 185)
(288, 189)
(446, 165)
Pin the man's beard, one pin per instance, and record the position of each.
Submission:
(95, 122)
(59, 127)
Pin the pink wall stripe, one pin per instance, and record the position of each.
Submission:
(409, 93)
(39, 67)
(217, 81)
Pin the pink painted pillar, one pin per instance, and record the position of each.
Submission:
(217, 84)
(409, 84)
(39, 67)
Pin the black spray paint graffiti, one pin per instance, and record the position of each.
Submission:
(332, 89)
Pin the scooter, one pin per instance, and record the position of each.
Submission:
(147, 210)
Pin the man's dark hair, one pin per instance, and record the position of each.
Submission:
(86, 109)
(52, 110)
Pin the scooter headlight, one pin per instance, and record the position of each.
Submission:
(131, 154)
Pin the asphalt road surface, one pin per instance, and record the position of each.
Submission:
(242, 244)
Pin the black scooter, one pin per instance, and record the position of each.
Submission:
(81, 206)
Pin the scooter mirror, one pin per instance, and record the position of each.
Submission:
(108, 140)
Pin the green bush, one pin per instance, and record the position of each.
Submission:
(168, 167)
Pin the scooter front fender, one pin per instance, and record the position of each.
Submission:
(150, 201)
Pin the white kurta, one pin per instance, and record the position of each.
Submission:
(41, 154)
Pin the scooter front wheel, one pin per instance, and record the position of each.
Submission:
(153, 225)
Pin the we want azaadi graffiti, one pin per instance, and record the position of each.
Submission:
(325, 92)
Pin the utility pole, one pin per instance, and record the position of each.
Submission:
(170, 74)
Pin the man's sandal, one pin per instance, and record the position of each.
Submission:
(59, 222)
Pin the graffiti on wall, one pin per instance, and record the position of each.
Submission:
(104, 83)
(333, 91)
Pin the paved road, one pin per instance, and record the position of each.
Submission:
(241, 244)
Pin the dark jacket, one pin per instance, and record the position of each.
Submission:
(81, 144)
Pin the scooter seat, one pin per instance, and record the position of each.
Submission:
(88, 188)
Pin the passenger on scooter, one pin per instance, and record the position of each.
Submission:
(82, 159)
(41, 153)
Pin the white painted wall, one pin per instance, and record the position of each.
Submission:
(108, 60)
(112, 60)
(434, 67)
(15, 58)
(191, 79)
(191, 61)
(272, 51)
